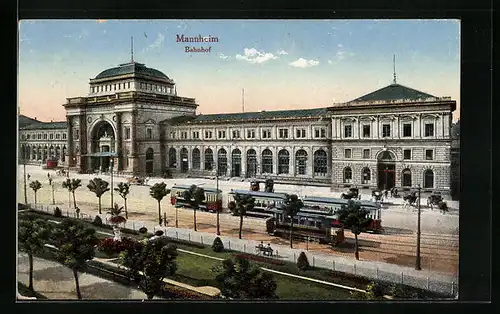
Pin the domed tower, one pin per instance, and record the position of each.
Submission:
(117, 123)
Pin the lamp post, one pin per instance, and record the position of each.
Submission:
(217, 201)
(417, 261)
(25, 187)
(52, 188)
(111, 161)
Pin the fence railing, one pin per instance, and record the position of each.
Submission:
(337, 264)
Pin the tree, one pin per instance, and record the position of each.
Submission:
(239, 279)
(149, 263)
(291, 207)
(116, 219)
(355, 218)
(158, 192)
(194, 196)
(99, 187)
(124, 189)
(72, 185)
(33, 233)
(75, 244)
(302, 261)
(35, 185)
(244, 203)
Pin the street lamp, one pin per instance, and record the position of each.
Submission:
(52, 187)
(417, 261)
(111, 161)
(25, 187)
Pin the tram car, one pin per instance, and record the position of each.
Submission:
(332, 205)
(264, 202)
(212, 203)
(321, 227)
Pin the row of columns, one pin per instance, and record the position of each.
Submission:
(42, 153)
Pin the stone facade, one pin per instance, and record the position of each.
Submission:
(138, 116)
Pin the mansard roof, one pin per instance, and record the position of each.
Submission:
(45, 125)
(249, 116)
(393, 92)
(24, 121)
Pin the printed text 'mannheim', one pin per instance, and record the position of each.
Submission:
(197, 39)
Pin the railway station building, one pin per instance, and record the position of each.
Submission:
(393, 137)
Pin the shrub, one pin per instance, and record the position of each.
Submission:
(57, 212)
(302, 261)
(97, 221)
(218, 246)
(377, 289)
(232, 207)
(110, 246)
(143, 230)
(403, 292)
(260, 259)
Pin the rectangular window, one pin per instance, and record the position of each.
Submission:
(386, 130)
(366, 153)
(407, 130)
(429, 154)
(172, 134)
(208, 134)
(45, 136)
(316, 132)
(250, 133)
(222, 134)
(128, 85)
(266, 133)
(196, 134)
(347, 130)
(283, 133)
(51, 136)
(347, 153)
(236, 134)
(149, 133)
(366, 131)
(301, 133)
(323, 133)
(429, 129)
(64, 136)
(407, 154)
(127, 133)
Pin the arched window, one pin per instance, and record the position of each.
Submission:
(347, 175)
(267, 161)
(251, 163)
(196, 159)
(236, 163)
(301, 161)
(222, 162)
(184, 160)
(406, 177)
(172, 158)
(320, 163)
(428, 179)
(209, 159)
(366, 176)
(283, 161)
(149, 160)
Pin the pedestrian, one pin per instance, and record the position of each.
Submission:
(48, 175)
(29, 176)
(385, 193)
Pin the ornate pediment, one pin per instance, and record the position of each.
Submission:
(150, 121)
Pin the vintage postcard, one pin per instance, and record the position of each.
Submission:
(238, 159)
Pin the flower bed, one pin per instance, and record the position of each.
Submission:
(111, 247)
(175, 292)
(260, 259)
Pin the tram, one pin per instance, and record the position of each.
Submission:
(332, 205)
(212, 203)
(320, 226)
(264, 201)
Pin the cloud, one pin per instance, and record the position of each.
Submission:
(158, 41)
(340, 45)
(223, 56)
(101, 21)
(282, 52)
(303, 63)
(342, 53)
(252, 55)
(330, 62)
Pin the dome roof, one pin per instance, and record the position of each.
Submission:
(131, 68)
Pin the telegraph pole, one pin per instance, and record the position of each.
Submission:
(111, 160)
(25, 187)
(417, 261)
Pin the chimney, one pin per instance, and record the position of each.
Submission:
(36, 119)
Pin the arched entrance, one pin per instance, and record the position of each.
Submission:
(149, 160)
(251, 163)
(102, 140)
(184, 160)
(386, 170)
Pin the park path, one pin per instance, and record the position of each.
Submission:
(56, 282)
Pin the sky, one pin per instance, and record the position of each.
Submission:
(280, 64)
